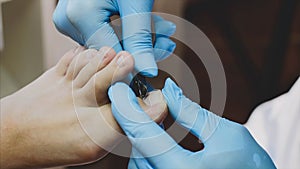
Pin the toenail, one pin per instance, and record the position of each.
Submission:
(104, 50)
(105, 56)
(122, 61)
(90, 55)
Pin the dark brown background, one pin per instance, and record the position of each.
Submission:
(259, 45)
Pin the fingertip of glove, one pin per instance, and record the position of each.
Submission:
(145, 63)
(164, 27)
(170, 84)
(119, 89)
(157, 18)
(111, 89)
(117, 85)
(172, 28)
(172, 46)
(151, 72)
(171, 90)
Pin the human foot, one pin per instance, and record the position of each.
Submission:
(55, 119)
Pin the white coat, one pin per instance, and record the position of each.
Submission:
(275, 125)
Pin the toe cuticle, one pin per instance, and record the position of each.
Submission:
(121, 61)
(105, 56)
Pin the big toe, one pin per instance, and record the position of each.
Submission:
(116, 70)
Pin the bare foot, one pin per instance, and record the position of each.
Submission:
(62, 117)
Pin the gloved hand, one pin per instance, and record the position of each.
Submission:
(87, 22)
(227, 144)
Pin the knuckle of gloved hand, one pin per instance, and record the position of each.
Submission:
(235, 128)
(77, 10)
(166, 44)
(58, 20)
(242, 129)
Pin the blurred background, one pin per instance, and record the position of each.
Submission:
(257, 41)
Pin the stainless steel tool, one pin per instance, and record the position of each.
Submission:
(140, 86)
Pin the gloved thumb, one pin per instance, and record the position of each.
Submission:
(190, 115)
(141, 130)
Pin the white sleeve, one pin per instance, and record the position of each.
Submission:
(275, 125)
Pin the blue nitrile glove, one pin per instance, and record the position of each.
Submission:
(228, 145)
(87, 22)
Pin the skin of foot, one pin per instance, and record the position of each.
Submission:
(64, 116)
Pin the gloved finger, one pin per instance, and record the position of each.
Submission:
(137, 161)
(163, 45)
(104, 36)
(137, 37)
(163, 27)
(145, 135)
(93, 23)
(132, 164)
(190, 115)
(63, 24)
(163, 48)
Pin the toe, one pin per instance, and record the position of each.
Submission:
(155, 106)
(116, 70)
(103, 57)
(63, 64)
(79, 61)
